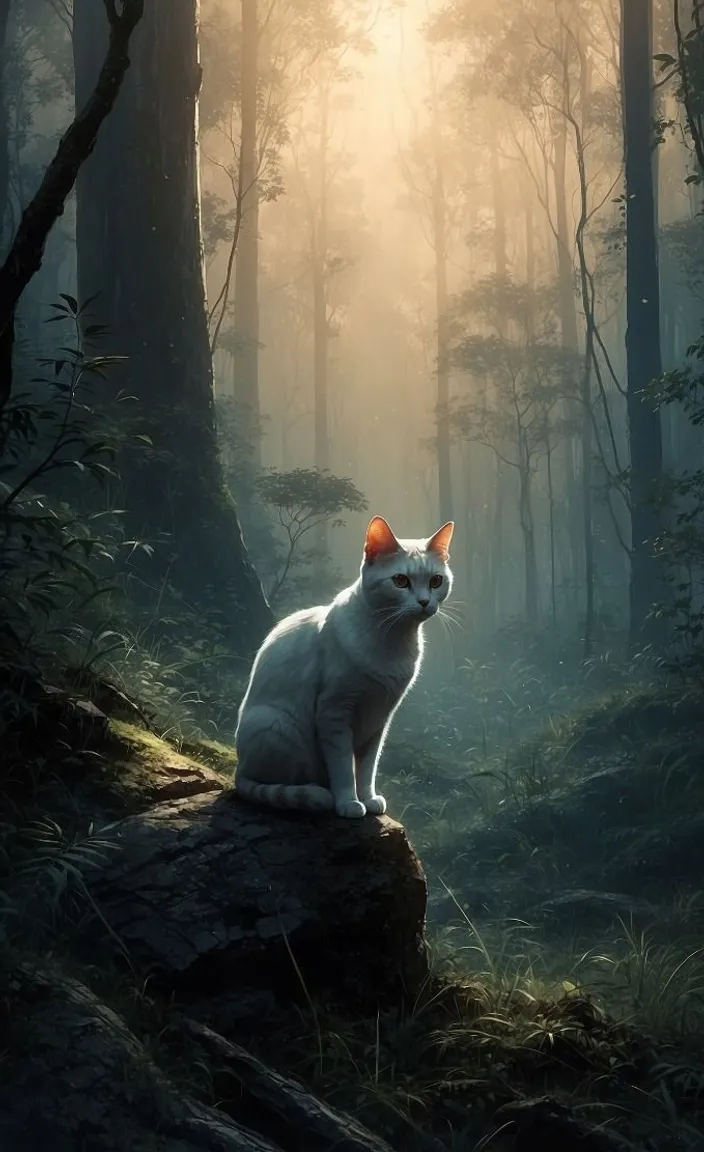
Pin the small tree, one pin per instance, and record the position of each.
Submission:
(304, 500)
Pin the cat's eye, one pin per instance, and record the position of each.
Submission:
(401, 581)
(435, 581)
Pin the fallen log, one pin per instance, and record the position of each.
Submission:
(208, 893)
(74, 1076)
(281, 1108)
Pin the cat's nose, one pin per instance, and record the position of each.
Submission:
(424, 603)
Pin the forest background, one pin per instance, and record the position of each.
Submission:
(416, 235)
(453, 260)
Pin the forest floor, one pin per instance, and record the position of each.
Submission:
(562, 834)
(561, 831)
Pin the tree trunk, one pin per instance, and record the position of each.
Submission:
(496, 566)
(246, 368)
(500, 259)
(551, 524)
(570, 341)
(587, 479)
(525, 511)
(139, 247)
(586, 435)
(439, 210)
(321, 333)
(4, 126)
(26, 252)
(321, 329)
(643, 317)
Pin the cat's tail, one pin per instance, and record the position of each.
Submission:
(304, 797)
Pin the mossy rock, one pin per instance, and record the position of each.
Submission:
(141, 769)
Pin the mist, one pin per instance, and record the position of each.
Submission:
(271, 270)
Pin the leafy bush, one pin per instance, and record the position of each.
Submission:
(53, 562)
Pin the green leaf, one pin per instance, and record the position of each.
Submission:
(71, 301)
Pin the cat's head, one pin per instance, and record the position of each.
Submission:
(405, 579)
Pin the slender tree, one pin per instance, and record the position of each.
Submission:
(246, 318)
(426, 165)
(320, 256)
(439, 216)
(140, 251)
(643, 316)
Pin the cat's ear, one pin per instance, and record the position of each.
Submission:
(379, 541)
(440, 542)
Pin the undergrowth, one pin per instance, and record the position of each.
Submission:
(532, 777)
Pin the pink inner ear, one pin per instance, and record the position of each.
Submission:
(440, 542)
(380, 540)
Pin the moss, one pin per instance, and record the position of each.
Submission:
(141, 768)
(220, 757)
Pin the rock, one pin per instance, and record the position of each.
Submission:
(210, 894)
(36, 716)
(146, 770)
(109, 698)
(74, 1076)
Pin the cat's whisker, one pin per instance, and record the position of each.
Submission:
(460, 622)
(449, 622)
(451, 609)
(388, 624)
(457, 618)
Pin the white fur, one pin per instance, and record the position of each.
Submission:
(327, 680)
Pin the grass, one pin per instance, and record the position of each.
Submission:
(607, 1020)
(475, 1044)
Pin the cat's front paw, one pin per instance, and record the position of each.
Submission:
(375, 805)
(350, 809)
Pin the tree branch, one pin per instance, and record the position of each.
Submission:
(25, 256)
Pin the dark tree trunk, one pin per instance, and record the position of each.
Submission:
(139, 248)
(26, 251)
(4, 137)
(586, 416)
(643, 317)
(246, 368)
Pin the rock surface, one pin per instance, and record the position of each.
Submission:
(208, 893)
(75, 1077)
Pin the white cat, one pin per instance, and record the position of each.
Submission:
(327, 680)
